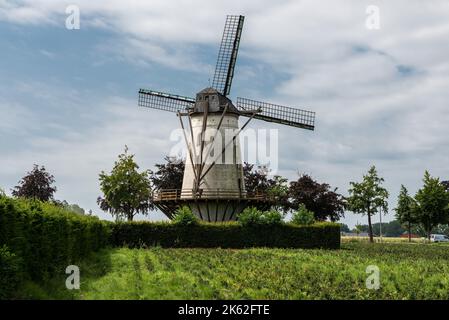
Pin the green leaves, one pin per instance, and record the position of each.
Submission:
(303, 216)
(251, 217)
(184, 216)
(45, 237)
(404, 209)
(10, 273)
(431, 205)
(126, 191)
(368, 196)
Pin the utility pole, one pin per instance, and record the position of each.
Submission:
(380, 225)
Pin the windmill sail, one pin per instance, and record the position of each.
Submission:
(276, 113)
(164, 101)
(227, 55)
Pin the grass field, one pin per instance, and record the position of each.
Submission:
(407, 271)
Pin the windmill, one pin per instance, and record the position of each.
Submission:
(213, 183)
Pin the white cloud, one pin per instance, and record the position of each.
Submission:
(380, 96)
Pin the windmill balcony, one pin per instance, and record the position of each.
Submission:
(188, 194)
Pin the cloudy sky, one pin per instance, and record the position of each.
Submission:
(68, 98)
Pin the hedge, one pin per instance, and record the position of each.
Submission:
(226, 235)
(47, 238)
(10, 272)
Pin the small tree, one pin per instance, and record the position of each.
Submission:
(256, 180)
(278, 190)
(184, 216)
(344, 227)
(37, 184)
(126, 191)
(168, 175)
(320, 198)
(368, 196)
(303, 216)
(358, 228)
(431, 204)
(404, 210)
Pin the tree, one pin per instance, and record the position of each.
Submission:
(126, 191)
(168, 175)
(344, 228)
(37, 184)
(368, 196)
(431, 204)
(358, 228)
(404, 210)
(256, 180)
(317, 197)
(278, 190)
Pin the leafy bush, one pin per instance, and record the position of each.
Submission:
(184, 216)
(10, 272)
(303, 216)
(225, 235)
(46, 237)
(251, 217)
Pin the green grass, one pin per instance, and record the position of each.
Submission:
(408, 271)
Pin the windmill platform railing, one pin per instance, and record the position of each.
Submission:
(209, 194)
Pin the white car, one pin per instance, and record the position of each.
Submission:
(439, 238)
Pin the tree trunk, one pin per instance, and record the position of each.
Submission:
(409, 232)
(370, 227)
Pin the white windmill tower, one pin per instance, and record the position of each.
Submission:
(213, 183)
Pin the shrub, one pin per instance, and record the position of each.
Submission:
(184, 216)
(226, 235)
(303, 216)
(252, 217)
(249, 216)
(10, 272)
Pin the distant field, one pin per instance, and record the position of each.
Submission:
(407, 271)
(384, 239)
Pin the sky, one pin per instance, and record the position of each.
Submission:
(68, 97)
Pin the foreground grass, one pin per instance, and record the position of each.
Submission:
(408, 271)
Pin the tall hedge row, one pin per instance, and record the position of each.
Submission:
(47, 238)
(227, 235)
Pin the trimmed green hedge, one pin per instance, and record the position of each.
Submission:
(226, 235)
(10, 272)
(48, 238)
